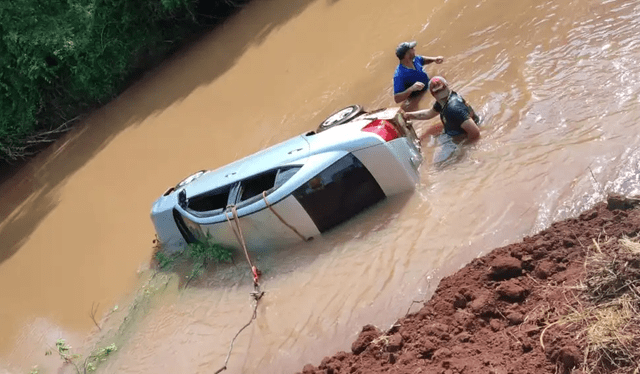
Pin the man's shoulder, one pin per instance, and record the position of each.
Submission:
(399, 70)
(456, 98)
(456, 109)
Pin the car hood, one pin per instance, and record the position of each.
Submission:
(284, 153)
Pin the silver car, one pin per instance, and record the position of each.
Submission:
(297, 189)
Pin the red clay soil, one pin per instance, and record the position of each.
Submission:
(489, 316)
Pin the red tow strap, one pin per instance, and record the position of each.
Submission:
(256, 274)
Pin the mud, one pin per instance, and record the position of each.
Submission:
(496, 315)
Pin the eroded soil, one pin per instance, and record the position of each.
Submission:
(501, 313)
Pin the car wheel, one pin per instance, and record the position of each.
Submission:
(340, 117)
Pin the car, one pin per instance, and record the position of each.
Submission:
(295, 190)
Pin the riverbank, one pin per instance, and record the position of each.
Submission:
(565, 300)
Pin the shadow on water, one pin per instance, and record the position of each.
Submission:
(29, 191)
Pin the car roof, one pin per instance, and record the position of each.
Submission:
(284, 153)
(344, 137)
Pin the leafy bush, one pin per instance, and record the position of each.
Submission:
(62, 58)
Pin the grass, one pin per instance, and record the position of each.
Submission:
(608, 322)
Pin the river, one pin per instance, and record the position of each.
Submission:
(558, 84)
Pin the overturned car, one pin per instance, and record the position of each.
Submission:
(297, 189)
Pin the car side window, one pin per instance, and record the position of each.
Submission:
(251, 189)
(212, 200)
(254, 186)
(285, 174)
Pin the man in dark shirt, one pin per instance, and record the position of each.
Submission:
(459, 120)
(410, 80)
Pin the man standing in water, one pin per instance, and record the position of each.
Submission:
(459, 119)
(410, 80)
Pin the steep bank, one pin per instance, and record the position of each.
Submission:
(543, 305)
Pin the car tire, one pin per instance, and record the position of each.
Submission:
(340, 117)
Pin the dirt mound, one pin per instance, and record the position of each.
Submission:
(523, 308)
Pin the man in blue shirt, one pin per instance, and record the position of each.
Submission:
(410, 80)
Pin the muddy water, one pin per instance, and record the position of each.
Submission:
(557, 82)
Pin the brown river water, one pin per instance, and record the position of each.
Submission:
(558, 83)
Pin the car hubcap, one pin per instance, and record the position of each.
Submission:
(336, 117)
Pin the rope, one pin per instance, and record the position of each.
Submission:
(237, 231)
(264, 196)
(257, 293)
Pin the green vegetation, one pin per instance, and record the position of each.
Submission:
(63, 58)
(89, 364)
(199, 254)
(204, 252)
(166, 261)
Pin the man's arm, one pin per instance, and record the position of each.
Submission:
(472, 130)
(421, 114)
(426, 114)
(427, 60)
(404, 95)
